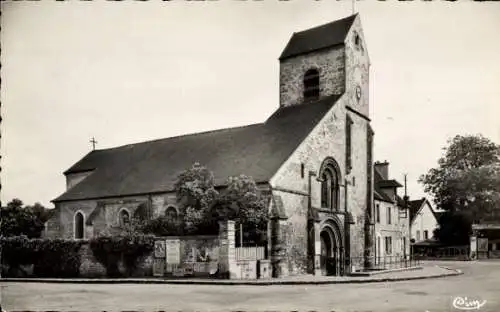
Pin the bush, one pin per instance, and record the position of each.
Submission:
(161, 226)
(49, 257)
(58, 258)
(126, 248)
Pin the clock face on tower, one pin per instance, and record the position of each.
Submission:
(358, 92)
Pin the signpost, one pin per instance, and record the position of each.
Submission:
(473, 247)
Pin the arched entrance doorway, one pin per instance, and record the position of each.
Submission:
(331, 257)
(326, 252)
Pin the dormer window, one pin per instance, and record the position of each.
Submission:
(311, 85)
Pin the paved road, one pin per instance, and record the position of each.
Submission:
(481, 281)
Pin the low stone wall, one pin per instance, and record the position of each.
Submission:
(90, 267)
(186, 256)
(196, 256)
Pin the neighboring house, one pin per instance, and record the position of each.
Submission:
(423, 220)
(392, 226)
(321, 129)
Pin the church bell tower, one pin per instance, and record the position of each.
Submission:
(327, 60)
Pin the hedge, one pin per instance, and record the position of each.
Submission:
(49, 257)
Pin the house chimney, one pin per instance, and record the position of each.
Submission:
(383, 168)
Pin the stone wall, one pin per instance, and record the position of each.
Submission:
(104, 213)
(294, 233)
(357, 69)
(200, 254)
(330, 64)
(357, 188)
(161, 202)
(66, 217)
(91, 268)
(328, 139)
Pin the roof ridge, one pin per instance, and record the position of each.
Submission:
(318, 37)
(327, 24)
(179, 136)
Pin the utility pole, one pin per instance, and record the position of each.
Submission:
(405, 185)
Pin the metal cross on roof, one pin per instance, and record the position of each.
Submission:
(94, 142)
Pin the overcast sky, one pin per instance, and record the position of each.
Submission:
(131, 71)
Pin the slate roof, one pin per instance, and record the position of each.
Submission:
(400, 201)
(256, 150)
(389, 183)
(378, 193)
(415, 207)
(317, 38)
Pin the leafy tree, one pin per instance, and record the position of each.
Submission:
(195, 190)
(242, 202)
(202, 206)
(18, 220)
(466, 184)
(161, 226)
(454, 228)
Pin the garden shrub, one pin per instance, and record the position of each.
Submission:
(126, 248)
(49, 257)
(161, 226)
(58, 258)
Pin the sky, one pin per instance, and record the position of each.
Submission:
(125, 72)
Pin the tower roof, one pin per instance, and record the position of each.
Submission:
(319, 37)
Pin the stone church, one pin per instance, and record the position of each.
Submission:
(312, 156)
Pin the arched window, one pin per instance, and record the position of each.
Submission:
(329, 189)
(311, 85)
(124, 218)
(79, 225)
(171, 213)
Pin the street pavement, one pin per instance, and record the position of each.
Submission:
(480, 284)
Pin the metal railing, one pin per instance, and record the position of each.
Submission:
(250, 253)
(454, 252)
(384, 262)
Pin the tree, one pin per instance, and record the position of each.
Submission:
(454, 228)
(18, 220)
(242, 202)
(466, 184)
(202, 206)
(195, 190)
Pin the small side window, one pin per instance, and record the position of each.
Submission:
(124, 218)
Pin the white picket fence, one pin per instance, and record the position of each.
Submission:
(250, 253)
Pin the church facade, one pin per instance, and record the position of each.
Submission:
(312, 157)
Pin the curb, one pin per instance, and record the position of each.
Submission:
(386, 271)
(228, 282)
